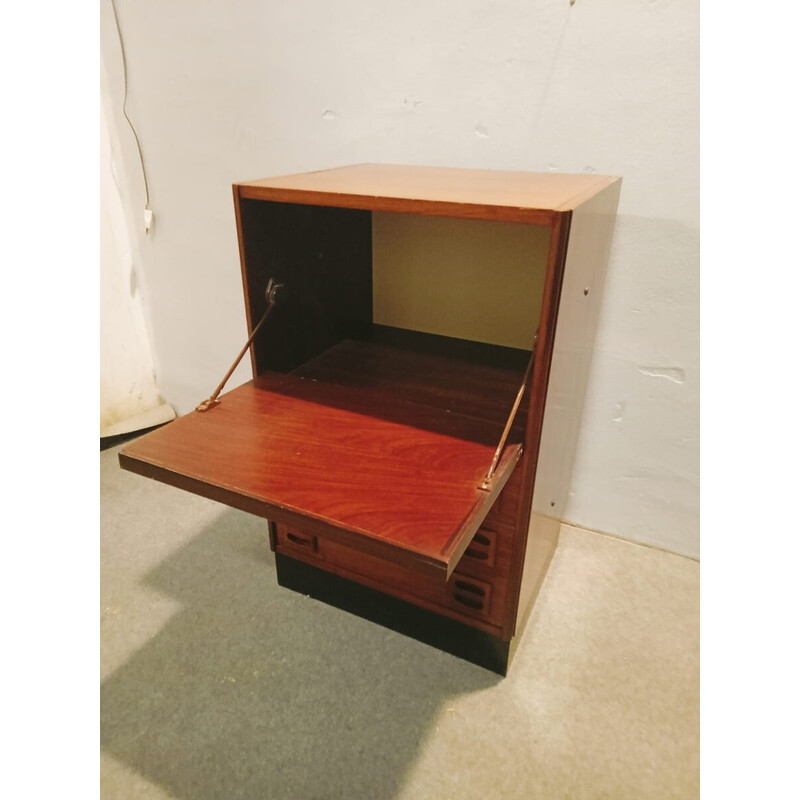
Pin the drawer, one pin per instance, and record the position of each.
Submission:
(488, 555)
(295, 540)
(482, 550)
(472, 595)
(505, 508)
(469, 595)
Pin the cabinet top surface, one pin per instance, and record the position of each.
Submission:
(394, 187)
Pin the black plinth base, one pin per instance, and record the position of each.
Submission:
(425, 626)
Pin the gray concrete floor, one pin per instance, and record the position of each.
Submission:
(217, 683)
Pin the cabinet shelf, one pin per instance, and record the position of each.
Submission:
(458, 376)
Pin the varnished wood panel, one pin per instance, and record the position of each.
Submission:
(387, 475)
(400, 581)
(468, 351)
(505, 510)
(580, 299)
(544, 348)
(472, 194)
(496, 568)
(426, 378)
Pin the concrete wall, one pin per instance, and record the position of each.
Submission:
(231, 91)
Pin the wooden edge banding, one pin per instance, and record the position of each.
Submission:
(554, 275)
(435, 208)
(243, 264)
(461, 539)
(439, 567)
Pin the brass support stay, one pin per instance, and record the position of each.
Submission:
(486, 483)
(271, 292)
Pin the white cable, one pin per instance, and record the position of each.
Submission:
(148, 213)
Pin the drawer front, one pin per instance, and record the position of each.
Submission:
(469, 595)
(482, 550)
(296, 540)
(505, 508)
(472, 595)
(488, 555)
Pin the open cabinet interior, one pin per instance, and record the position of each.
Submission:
(383, 435)
(426, 321)
(461, 289)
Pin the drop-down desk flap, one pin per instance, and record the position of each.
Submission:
(354, 446)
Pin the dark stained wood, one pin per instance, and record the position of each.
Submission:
(505, 509)
(481, 353)
(251, 323)
(420, 377)
(544, 352)
(490, 576)
(323, 257)
(372, 469)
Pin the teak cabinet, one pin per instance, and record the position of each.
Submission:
(416, 303)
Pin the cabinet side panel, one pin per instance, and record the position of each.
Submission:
(591, 232)
(237, 208)
(556, 259)
(323, 256)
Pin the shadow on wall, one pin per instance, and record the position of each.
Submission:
(255, 691)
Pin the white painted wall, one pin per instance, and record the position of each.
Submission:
(127, 376)
(231, 91)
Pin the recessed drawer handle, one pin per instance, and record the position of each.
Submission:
(481, 555)
(470, 587)
(481, 538)
(302, 541)
(472, 602)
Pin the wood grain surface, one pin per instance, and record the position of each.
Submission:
(400, 581)
(375, 469)
(474, 194)
(427, 378)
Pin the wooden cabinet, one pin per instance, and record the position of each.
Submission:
(417, 306)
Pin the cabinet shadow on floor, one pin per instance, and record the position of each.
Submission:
(251, 690)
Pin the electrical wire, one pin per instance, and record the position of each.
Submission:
(125, 106)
